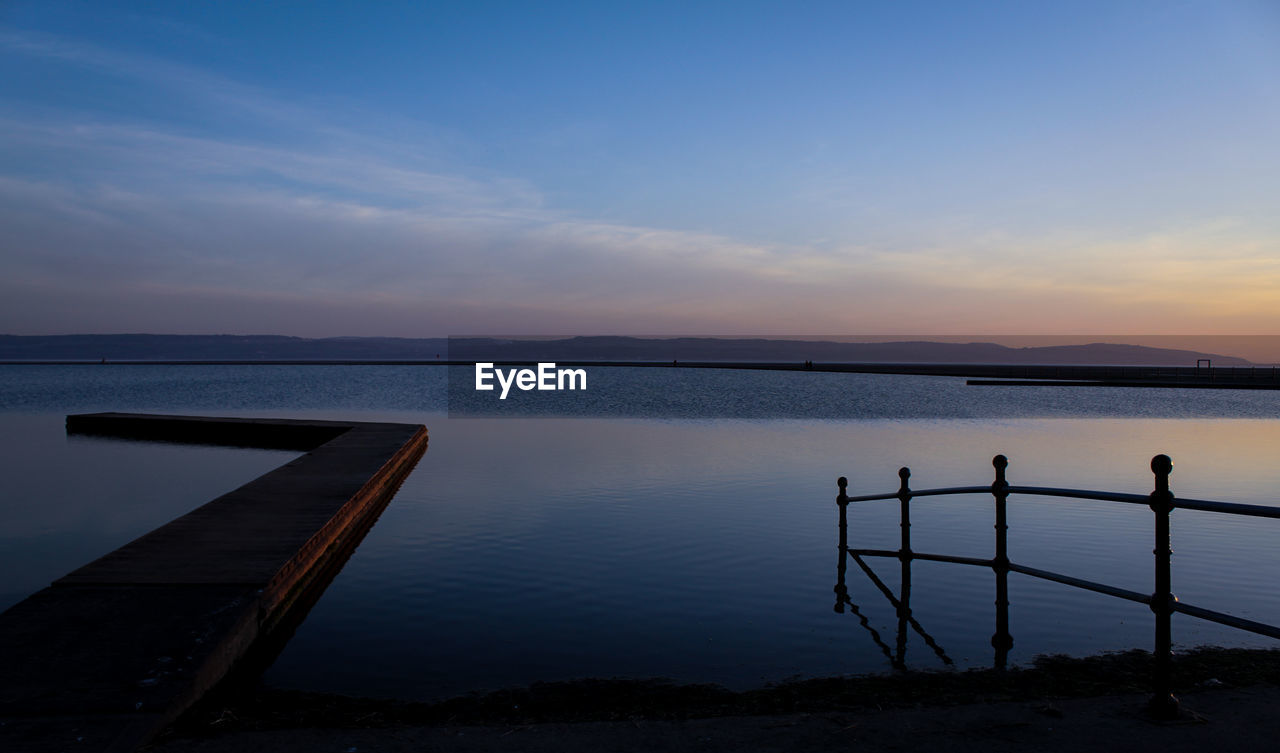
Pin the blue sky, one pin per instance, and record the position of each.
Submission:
(423, 169)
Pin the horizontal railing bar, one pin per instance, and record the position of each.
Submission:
(1043, 491)
(929, 557)
(1047, 491)
(872, 552)
(1087, 585)
(1261, 628)
(1231, 508)
(1241, 623)
(952, 490)
(952, 558)
(924, 493)
(1067, 580)
(1234, 508)
(872, 497)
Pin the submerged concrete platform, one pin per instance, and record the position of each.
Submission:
(110, 653)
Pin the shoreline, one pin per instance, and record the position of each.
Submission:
(610, 699)
(1230, 695)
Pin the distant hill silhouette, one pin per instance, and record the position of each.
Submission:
(142, 347)
(216, 348)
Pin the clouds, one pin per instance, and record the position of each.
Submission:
(192, 222)
(203, 204)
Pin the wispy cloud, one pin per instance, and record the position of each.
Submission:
(154, 73)
(114, 222)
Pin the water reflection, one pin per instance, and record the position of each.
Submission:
(69, 499)
(1162, 601)
(1001, 639)
(697, 550)
(902, 603)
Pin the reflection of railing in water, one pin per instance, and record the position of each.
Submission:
(1162, 601)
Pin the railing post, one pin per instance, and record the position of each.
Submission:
(1001, 640)
(842, 501)
(999, 489)
(904, 557)
(904, 499)
(1163, 704)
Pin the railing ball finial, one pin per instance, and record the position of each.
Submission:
(1162, 466)
(904, 473)
(843, 484)
(1000, 462)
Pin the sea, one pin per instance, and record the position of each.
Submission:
(676, 523)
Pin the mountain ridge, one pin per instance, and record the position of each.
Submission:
(156, 347)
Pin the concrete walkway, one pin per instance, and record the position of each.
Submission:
(109, 654)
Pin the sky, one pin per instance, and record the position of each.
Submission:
(423, 169)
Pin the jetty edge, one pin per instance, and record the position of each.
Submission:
(109, 654)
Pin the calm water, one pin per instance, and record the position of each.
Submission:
(685, 529)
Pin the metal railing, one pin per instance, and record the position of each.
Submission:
(1162, 601)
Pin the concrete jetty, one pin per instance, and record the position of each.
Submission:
(110, 653)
